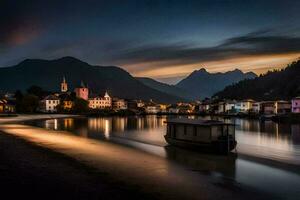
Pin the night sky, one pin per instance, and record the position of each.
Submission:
(164, 40)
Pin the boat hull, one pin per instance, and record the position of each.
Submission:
(219, 146)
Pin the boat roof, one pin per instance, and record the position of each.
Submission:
(196, 122)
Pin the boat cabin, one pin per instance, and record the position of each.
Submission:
(201, 133)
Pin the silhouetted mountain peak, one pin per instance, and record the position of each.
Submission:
(66, 59)
(69, 59)
(204, 84)
(237, 70)
(29, 61)
(196, 73)
(251, 74)
(266, 87)
(202, 70)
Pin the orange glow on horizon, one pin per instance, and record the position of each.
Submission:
(258, 64)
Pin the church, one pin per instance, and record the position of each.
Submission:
(83, 92)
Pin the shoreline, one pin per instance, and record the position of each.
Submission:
(288, 118)
(28, 117)
(151, 174)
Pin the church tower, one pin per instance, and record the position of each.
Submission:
(82, 91)
(64, 85)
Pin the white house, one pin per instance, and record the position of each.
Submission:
(225, 107)
(256, 107)
(100, 102)
(49, 103)
(244, 106)
(275, 107)
(152, 108)
(119, 104)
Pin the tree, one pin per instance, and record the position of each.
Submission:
(19, 97)
(37, 91)
(29, 103)
(60, 108)
(80, 106)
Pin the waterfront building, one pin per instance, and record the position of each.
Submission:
(275, 107)
(244, 106)
(82, 91)
(163, 107)
(64, 86)
(282, 107)
(204, 107)
(140, 104)
(296, 105)
(268, 108)
(173, 110)
(66, 101)
(49, 103)
(256, 107)
(132, 104)
(68, 104)
(152, 108)
(225, 107)
(7, 106)
(100, 102)
(119, 104)
(185, 107)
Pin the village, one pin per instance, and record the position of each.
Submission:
(63, 102)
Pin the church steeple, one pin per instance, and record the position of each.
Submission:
(64, 85)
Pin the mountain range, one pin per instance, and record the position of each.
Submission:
(118, 82)
(200, 83)
(48, 74)
(274, 85)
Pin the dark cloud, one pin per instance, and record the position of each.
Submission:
(256, 43)
(16, 26)
(133, 32)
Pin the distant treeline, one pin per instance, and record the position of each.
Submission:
(274, 85)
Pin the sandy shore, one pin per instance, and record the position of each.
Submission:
(149, 175)
(32, 172)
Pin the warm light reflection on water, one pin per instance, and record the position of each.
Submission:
(265, 139)
(278, 142)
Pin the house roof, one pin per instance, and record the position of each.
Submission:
(7, 102)
(3, 101)
(51, 97)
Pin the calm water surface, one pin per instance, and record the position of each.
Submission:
(267, 152)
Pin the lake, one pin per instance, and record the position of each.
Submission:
(267, 156)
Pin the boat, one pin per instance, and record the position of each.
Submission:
(205, 135)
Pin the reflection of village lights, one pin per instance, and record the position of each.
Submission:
(277, 132)
(106, 129)
(55, 124)
(47, 124)
(140, 123)
(68, 123)
(119, 124)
